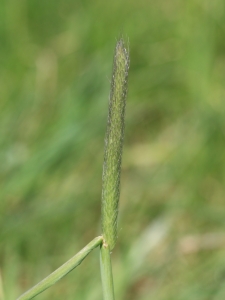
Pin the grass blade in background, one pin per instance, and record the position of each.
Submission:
(61, 271)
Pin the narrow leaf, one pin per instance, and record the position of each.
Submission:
(61, 271)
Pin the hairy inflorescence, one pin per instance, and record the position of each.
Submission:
(114, 144)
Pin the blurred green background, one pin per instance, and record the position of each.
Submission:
(56, 60)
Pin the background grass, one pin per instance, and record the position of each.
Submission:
(56, 60)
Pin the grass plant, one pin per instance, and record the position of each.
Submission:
(54, 58)
(111, 185)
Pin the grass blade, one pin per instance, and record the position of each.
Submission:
(62, 271)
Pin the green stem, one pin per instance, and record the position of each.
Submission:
(106, 272)
(62, 271)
